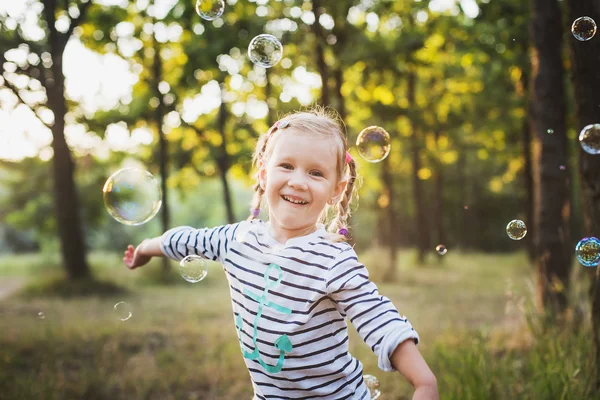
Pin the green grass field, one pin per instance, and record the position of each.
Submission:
(473, 312)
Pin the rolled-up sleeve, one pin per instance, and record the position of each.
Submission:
(374, 316)
(210, 243)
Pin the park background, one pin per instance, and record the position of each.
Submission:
(483, 100)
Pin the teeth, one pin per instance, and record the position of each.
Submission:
(295, 201)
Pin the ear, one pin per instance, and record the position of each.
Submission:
(339, 189)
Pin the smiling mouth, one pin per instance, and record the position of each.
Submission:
(298, 202)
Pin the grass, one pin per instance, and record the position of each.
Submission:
(473, 312)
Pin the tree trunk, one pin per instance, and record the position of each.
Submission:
(421, 227)
(551, 192)
(66, 201)
(390, 223)
(268, 93)
(585, 57)
(439, 199)
(461, 165)
(320, 53)
(528, 171)
(223, 161)
(341, 103)
(159, 114)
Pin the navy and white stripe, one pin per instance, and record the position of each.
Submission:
(322, 283)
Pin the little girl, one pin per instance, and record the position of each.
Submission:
(293, 281)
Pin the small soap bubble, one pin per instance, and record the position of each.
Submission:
(265, 50)
(373, 144)
(132, 196)
(583, 28)
(41, 315)
(587, 251)
(210, 9)
(516, 229)
(193, 268)
(589, 138)
(441, 249)
(373, 385)
(562, 168)
(123, 310)
(550, 131)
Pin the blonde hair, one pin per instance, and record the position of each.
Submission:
(325, 122)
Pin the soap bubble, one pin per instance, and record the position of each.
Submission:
(373, 144)
(441, 249)
(583, 28)
(587, 251)
(132, 196)
(372, 383)
(589, 138)
(193, 268)
(210, 9)
(516, 229)
(265, 50)
(550, 131)
(123, 310)
(41, 315)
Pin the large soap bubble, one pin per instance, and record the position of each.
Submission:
(132, 196)
(589, 138)
(265, 50)
(373, 144)
(210, 9)
(583, 28)
(193, 268)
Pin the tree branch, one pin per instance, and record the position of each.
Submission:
(198, 131)
(15, 91)
(77, 21)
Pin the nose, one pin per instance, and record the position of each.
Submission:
(297, 181)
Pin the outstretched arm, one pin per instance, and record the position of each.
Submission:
(141, 255)
(407, 359)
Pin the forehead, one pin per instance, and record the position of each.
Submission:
(310, 147)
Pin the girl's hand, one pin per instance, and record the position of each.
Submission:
(135, 257)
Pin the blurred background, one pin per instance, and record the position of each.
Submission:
(484, 101)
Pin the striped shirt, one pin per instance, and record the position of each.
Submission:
(290, 303)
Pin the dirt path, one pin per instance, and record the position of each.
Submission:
(8, 286)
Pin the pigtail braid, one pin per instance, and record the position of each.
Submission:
(261, 146)
(343, 206)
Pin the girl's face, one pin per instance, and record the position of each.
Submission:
(299, 179)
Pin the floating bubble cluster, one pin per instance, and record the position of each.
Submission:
(516, 229)
(210, 9)
(265, 50)
(193, 268)
(132, 196)
(373, 385)
(123, 310)
(441, 249)
(373, 144)
(41, 315)
(589, 138)
(583, 28)
(587, 251)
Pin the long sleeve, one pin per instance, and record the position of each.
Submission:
(374, 316)
(210, 243)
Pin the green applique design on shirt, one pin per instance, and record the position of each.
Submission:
(282, 343)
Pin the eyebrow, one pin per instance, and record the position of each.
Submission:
(316, 165)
